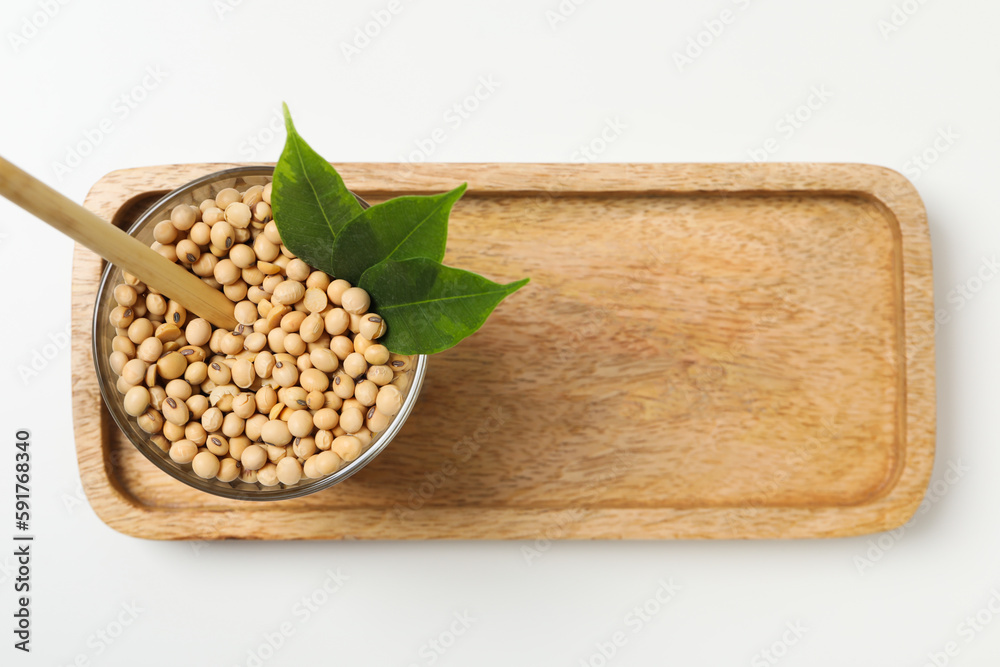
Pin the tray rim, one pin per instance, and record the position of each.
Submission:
(895, 197)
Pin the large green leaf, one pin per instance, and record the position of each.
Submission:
(429, 307)
(401, 228)
(310, 201)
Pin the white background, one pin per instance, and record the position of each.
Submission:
(873, 600)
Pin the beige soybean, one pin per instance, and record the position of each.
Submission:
(136, 401)
(197, 405)
(311, 328)
(376, 421)
(121, 317)
(150, 421)
(276, 432)
(226, 272)
(366, 392)
(389, 400)
(123, 344)
(217, 444)
(343, 385)
(231, 343)
(118, 361)
(205, 464)
(173, 432)
(125, 295)
(346, 447)
(236, 290)
(285, 374)
(233, 425)
(303, 447)
(171, 365)
(352, 419)
(315, 400)
(253, 457)
(219, 372)
(372, 326)
(324, 439)
(268, 475)
(324, 360)
(293, 397)
(229, 470)
(176, 314)
(255, 342)
(178, 389)
(140, 330)
(300, 424)
(134, 371)
(237, 445)
(380, 375)
(243, 373)
(244, 405)
(355, 365)
(194, 432)
(175, 411)
(313, 379)
(196, 373)
(183, 451)
(336, 321)
(266, 398)
(342, 346)
(289, 471)
(377, 355)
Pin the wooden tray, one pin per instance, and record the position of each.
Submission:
(705, 350)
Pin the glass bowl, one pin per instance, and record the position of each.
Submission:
(194, 193)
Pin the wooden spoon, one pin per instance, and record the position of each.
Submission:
(116, 246)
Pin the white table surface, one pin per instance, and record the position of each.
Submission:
(210, 78)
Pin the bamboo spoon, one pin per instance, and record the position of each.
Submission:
(115, 246)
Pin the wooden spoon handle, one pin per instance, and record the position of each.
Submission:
(115, 246)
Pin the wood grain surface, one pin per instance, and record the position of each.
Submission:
(704, 351)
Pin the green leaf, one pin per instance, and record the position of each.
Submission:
(401, 228)
(310, 201)
(429, 307)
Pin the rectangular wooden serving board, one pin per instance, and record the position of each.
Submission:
(704, 351)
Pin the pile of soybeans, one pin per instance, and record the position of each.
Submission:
(300, 388)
